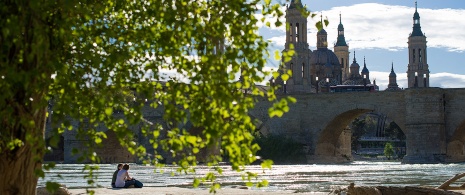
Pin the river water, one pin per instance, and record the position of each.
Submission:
(300, 178)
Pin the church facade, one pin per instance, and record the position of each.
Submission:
(316, 71)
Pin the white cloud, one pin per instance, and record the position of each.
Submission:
(271, 19)
(387, 27)
(447, 80)
(373, 25)
(442, 80)
(278, 41)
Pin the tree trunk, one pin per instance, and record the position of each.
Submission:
(20, 167)
(446, 185)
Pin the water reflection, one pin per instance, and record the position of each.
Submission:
(304, 178)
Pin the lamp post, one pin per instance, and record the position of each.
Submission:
(317, 85)
(285, 87)
(416, 80)
(424, 80)
(327, 83)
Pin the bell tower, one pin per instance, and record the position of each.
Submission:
(418, 70)
(296, 37)
(341, 49)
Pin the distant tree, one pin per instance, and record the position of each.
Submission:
(280, 149)
(83, 53)
(394, 132)
(360, 127)
(388, 150)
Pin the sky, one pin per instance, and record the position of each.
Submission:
(379, 30)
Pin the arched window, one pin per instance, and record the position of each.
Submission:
(297, 32)
(413, 52)
(291, 67)
(291, 35)
(303, 70)
(419, 54)
(342, 63)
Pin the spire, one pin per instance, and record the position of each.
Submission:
(355, 61)
(340, 20)
(392, 74)
(354, 65)
(416, 23)
(322, 37)
(341, 40)
(392, 80)
(365, 69)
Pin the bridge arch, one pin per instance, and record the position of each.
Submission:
(329, 143)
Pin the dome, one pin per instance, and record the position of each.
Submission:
(340, 27)
(392, 74)
(416, 15)
(295, 4)
(365, 70)
(355, 64)
(322, 32)
(328, 64)
(323, 55)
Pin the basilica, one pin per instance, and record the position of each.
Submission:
(321, 69)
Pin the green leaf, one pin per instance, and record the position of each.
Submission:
(266, 164)
(277, 55)
(52, 186)
(275, 75)
(285, 77)
(196, 183)
(191, 139)
(109, 111)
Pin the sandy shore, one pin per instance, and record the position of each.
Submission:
(190, 191)
(184, 191)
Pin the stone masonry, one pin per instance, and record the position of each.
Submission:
(433, 120)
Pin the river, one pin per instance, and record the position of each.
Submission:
(301, 178)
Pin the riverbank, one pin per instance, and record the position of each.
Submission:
(282, 179)
(191, 191)
(185, 191)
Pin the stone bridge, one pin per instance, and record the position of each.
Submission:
(433, 120)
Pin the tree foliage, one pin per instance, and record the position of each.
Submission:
(84, 56)
(280, 149)
(388, 150)
(394, 132)
(360, 127)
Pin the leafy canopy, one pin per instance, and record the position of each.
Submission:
(89, 59)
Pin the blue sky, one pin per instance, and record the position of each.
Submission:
(379, 31)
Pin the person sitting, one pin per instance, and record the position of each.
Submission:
(113, 180)
(123, 180)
